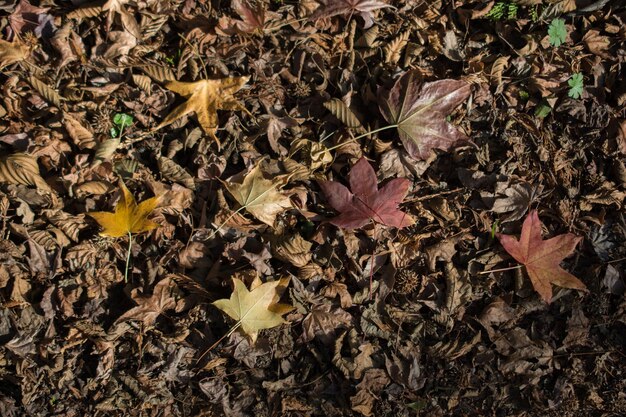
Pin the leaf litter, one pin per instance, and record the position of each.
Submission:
(340, 185)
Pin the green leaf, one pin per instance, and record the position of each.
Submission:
(557, 32)
(542, 110)
(122, 120)
(576, 84)
(114, 132)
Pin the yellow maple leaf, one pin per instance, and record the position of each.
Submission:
(257, 309)
(259, 196)
(204, 98)
(128, 217)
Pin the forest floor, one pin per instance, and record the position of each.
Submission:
(312, 208)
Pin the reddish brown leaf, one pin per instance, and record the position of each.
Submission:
(363, 8)
(420, 109)
(542, 257)
(366, 202)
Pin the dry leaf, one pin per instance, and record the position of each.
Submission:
(542, 257)
(21, 168)
(363, 8)
(204, 98)
(420, 111)
(366, 202)
(11, 52)
(128, 216)
(257, 309)
(259, 196)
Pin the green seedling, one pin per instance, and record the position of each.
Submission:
(576, 84)
(557, 32)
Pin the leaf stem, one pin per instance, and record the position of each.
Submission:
(226, 221)
(501, 269)
(130, 246)
(227, 334)
(361, 136)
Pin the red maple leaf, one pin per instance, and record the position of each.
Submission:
(419, 111)
(542, 257)
(366, 202)
(363, 8)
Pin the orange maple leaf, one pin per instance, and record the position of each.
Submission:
(542, 257)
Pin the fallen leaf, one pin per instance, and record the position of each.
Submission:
(542, 257)
(11, 52)
(128, 216)
(420, 109)
(204, 98)
(257, 309)
(259, 196)
(149, 308)
(366, 202)
(252, 18)
(363, 8)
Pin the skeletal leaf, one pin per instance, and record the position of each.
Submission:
(204, 98)
(420, 109)
(257, 309)
(21, 168)
(128, 216)
(542, 257)
(259, 196)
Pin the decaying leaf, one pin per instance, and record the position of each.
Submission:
(542, 257)
(258, 195)
(149, 308)
(204, 98)
(257, 309)
(420, 109)
(128, 216)
(366, 202)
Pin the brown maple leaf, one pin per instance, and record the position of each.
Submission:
(419, 111)
(363, 8)
(366, 202)
(542, 257)
(253, 18)
(204, 98)
(149, 308)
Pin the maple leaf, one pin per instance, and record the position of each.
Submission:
(258, 195)
(204, 98)
(128, 216)
(366, 202)
(542, 257)
(11, 52)
(252, 18)
(363, 8)
(419, 110)
(257, 309)
(149, 308)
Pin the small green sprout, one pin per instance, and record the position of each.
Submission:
(576, 85)
(557, 32)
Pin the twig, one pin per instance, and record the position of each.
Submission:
(130, 246)
(501, 269)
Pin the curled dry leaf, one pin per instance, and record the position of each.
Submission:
(542, 257)
(128, 216)
(257, 309)
(21, 168)
(204, 98)
(420, 109)
(365, 202)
